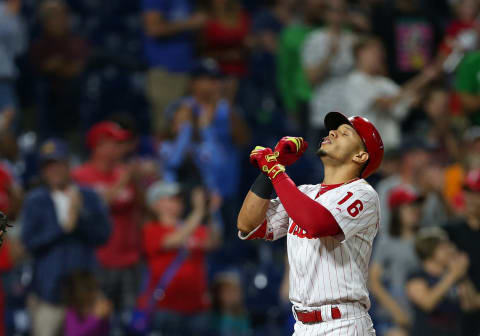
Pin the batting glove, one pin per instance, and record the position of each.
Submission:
(290, 149)
(266, 160)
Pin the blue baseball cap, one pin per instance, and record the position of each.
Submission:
(53, 150)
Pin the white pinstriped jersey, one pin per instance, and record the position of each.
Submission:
(330, 270)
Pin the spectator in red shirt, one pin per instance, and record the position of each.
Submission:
(182, 304)
(113, 181)
(225, 39)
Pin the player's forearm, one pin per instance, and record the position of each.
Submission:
(309, 215)
(255, 205)
(252, 213)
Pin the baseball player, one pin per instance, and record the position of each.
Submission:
(330, 226)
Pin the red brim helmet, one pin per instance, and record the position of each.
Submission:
(367, 132)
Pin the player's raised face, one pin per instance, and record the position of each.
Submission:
(343, 145)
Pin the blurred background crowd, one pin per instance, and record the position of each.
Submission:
(125, 128)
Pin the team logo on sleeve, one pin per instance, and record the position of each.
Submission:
(298, 231)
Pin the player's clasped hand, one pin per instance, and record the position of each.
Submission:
(265, 159)
(290, 149)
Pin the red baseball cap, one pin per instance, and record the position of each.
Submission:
(472, 181)
(402, 195)
(106, 130)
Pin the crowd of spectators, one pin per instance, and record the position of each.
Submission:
(125, 128)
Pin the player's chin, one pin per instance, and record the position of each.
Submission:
(321, 152)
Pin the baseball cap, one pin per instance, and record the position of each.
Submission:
(402, 195)
(53, 150)
(106, 130)
(206, 67)
(162, 189)
(472, 181)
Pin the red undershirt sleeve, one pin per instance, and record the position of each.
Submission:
(308, 214)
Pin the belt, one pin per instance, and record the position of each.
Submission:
(316, 316)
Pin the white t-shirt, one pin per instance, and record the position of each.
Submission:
(360, 92)
(62, 203)
(328, 94)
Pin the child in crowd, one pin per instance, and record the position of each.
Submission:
(228, 312)
(438, 289)
(88, 311)
(182, 302)
(394, 259)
